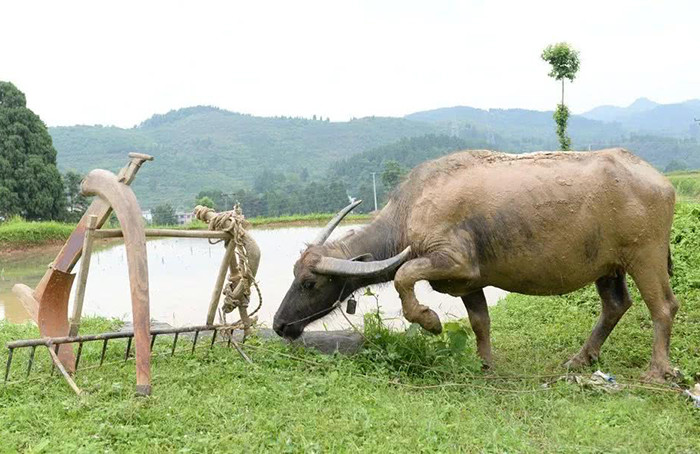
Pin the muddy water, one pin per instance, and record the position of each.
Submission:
(182, 273)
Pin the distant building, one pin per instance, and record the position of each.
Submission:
(184, 217)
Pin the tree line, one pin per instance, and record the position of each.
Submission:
(275, 193)
(32, 187)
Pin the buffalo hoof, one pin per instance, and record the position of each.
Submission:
(661, 375)
(430, 321)
(580, 361)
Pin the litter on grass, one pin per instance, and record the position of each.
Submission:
(597, 380)
(694, 395)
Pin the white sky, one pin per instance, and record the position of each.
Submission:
(119, 62)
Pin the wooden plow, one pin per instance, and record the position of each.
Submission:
(48, 302)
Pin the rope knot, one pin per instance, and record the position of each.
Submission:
(240, 279)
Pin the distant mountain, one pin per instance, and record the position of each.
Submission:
(527, 129)
(206, 148)
(646, 116)
(614, 113)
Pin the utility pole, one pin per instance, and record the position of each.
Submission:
(374, 185)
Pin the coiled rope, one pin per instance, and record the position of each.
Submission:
(240, 277)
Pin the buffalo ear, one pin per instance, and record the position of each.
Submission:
(363, 258)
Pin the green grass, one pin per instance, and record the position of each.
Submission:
(687, 184)
(313, 217)
(294, 400)
(404, 392)
(17, 233)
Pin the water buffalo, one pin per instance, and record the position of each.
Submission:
(542, 223)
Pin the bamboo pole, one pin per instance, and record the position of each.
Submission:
(218, 287)
(65, 374)
(117, 233)
(82, 276)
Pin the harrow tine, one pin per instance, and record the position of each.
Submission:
(128, 348)
(104, 350)
(9, 364)
(31, 360)
(153, 341)
(230, 336)
(53, 363)
(213, 338)
(77, 357)
(172, 352)
(194, 343)
(241, 352)
(66, 375)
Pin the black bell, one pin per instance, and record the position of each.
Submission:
(351, 306)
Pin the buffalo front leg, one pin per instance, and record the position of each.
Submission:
(436, 266)
(479, 318)
(616, 300)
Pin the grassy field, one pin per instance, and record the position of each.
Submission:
(687, 184)
(304, 218)
(17, 233)
(405, 391)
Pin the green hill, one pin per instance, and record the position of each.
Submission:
(206, 148)
(527, 130)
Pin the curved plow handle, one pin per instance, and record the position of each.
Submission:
(47, 303)
(123, 201)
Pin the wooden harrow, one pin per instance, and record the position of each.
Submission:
(48, 302)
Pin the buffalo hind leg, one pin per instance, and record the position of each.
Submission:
(616, 300)
(478, 312)
(652, 279)
(436, 266)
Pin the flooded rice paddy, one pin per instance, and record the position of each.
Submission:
(182, 272)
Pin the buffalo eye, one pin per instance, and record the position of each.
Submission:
(308, 285)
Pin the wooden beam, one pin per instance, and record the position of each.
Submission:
(117, 233)
(82, 276)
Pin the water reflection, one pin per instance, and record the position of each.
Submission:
(182, 272)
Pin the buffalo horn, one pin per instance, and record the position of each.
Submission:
(328, 229)
(348, 268)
